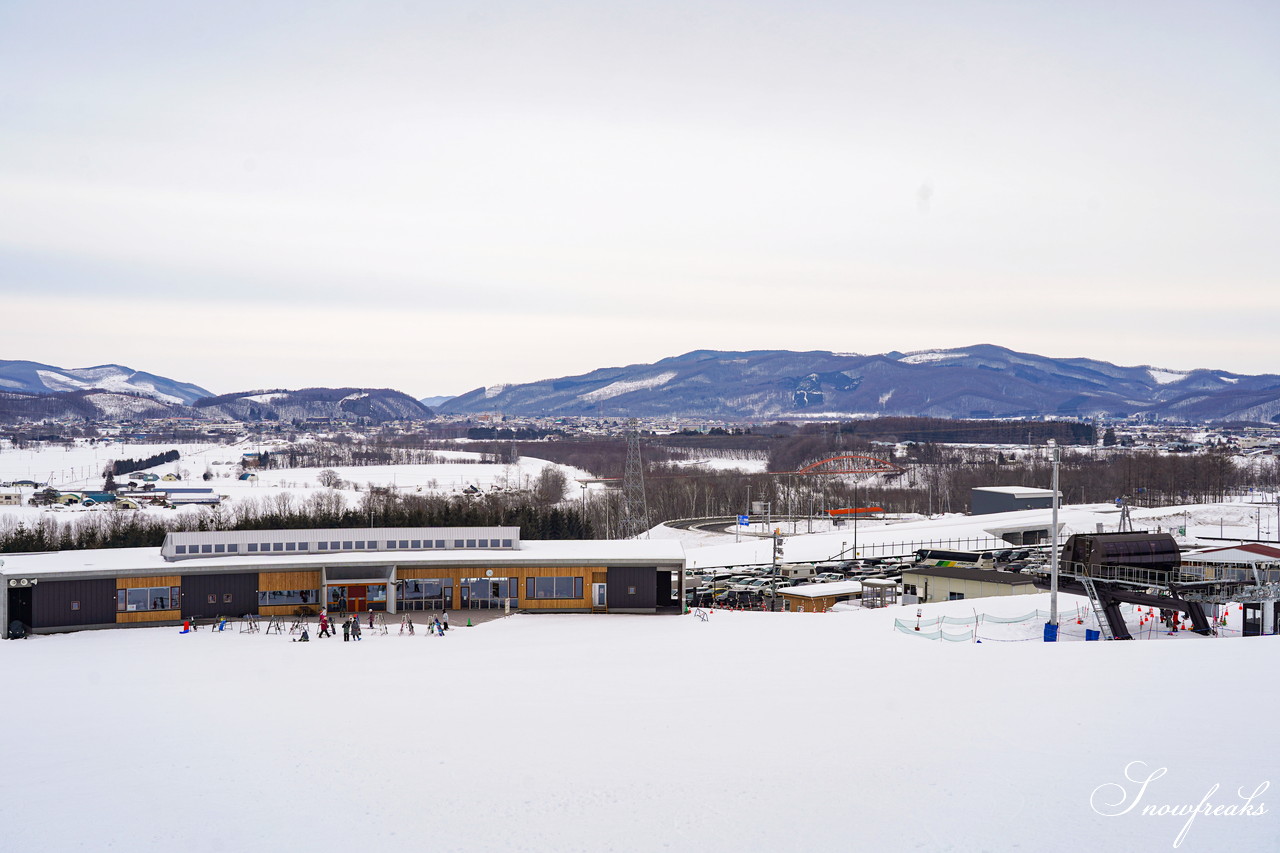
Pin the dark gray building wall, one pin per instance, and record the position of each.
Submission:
(51, 603)
(196, 589)
(644, 582)
(982, 503)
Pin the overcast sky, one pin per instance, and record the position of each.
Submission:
(438, 196)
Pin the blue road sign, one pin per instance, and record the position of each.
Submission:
(743, 521)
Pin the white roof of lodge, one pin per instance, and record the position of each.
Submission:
(822, 590)
(1016, 491)
(147, 561)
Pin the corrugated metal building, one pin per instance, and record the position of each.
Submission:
(989, 499)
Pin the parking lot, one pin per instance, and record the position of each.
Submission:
(755, 587)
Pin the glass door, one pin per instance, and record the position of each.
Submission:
(337, 599)
(480, 593)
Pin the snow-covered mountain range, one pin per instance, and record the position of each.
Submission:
(30, 377)
(977, 381)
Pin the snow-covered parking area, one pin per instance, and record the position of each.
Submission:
(747, 731)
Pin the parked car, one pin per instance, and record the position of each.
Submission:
(758, 585)
(737, 598)
(828, 577)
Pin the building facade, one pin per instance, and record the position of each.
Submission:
(951, 583)
(990, 499)
(352, 570)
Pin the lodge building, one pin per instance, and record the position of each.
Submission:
(346, 570)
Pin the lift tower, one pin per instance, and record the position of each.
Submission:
(635, 510)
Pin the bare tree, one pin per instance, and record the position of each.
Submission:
(550, 486)
(329, 478)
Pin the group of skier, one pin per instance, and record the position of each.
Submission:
(351, 626)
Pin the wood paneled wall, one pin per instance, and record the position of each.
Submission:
(271, 581)
(140, 583)
(148, 616)
(287, 609)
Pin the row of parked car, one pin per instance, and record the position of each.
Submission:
(747, 587)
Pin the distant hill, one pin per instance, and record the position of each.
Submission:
(375, 404)
(340, 404)
(977, 381)
(86, 405)
(30, 377)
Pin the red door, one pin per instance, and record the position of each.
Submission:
(357, 599)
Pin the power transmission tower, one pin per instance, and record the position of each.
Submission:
(635, 510)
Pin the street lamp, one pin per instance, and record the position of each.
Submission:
(1053, 557)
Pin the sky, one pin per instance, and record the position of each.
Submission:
(436, 196)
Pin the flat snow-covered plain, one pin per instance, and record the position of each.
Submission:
(750, 731)
(80, 466)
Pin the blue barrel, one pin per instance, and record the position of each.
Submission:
(1091, 634)
(1050, 632)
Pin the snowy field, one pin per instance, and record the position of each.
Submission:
(80, 467)
(749, 731)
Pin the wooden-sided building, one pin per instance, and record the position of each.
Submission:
(819, 597)
(348, 570)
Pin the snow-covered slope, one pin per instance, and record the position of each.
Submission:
(35, 378)
(750, 731)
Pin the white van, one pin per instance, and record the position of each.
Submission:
(799, 571)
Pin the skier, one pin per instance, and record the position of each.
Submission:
(446, 620)
(370, 618)
(324, 625)
(355, 628)
(346, 630)
(305, 637)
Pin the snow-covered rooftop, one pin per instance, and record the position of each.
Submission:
(821, 590)
(147, 561)
(1016, 491)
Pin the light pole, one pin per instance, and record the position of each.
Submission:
(777, 569)
(1053, 555)
(855, 521)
